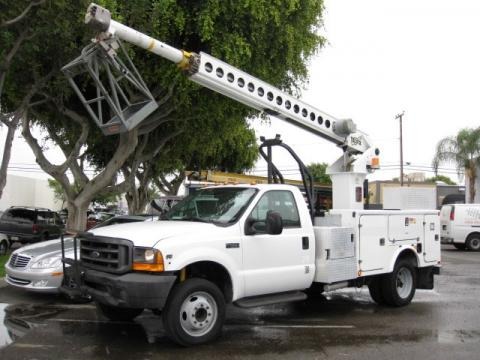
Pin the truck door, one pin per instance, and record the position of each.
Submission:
(277, 263)
(374, 247)
(431, 250)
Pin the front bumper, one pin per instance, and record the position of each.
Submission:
(40, 280)
(131, 290)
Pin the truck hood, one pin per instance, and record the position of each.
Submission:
(147, 234)
(47, 248)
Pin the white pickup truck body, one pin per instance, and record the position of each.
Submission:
(344, 248)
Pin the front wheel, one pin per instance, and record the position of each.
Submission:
(194, 313)
(473, 243)
(118, 313)
(398, 288)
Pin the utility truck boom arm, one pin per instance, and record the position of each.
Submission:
(227, 80)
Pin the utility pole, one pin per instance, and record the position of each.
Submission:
(400, 117)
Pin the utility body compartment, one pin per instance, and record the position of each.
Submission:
(365, 243)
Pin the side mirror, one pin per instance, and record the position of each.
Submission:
(273, 225)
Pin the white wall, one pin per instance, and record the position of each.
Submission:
(409, 198)
(25, 191)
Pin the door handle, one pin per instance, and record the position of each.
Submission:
(305, 243)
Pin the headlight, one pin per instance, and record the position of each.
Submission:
(47, 263)
(147, 259)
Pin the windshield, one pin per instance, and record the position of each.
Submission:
(220, 206)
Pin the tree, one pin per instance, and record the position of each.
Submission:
(100, 199)
(463, 150)
(13, 35)
(270, 39)
(441, 178)
(318, 171)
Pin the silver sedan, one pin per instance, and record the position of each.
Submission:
(38, 267)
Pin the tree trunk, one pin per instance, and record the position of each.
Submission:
(472, 179)
(7, 152)
(138, 201)
(77, 215)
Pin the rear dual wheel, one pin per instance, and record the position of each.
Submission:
(375, 289)
(397, 288)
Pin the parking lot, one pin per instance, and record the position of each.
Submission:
(439, 324)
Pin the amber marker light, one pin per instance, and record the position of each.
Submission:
(58, 273)
(146, 259)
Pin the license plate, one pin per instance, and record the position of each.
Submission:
(15, 238)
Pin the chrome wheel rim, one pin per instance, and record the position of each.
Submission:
(404, 283)
(198, 313)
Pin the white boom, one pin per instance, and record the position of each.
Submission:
(225, 79)
(347, 172)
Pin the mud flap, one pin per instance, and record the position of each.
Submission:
(425, 277)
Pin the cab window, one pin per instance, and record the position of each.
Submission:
(281, 201)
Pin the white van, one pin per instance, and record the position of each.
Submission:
(460, 226)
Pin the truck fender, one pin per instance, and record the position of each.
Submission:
(208, 254)
(401, 251)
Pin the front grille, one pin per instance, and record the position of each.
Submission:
(17, 281)
(19, 261)
(106, 254)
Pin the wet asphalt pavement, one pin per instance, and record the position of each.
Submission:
(439, 324)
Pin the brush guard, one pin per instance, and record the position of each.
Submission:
(119, 100)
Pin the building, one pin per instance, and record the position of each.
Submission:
(27, 191)
(377, 190)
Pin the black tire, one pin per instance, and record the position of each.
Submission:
(398, 288)
(194, 313)
(118, 313)
(459, 246)
(3, 247)
(375, 289)
(473, 243)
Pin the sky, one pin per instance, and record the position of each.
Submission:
(382, 57)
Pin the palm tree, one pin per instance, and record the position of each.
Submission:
(464, 151)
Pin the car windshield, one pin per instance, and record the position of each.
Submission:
(220, 206)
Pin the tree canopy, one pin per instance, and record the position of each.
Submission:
(441, 178)
(193, 126)
(462, 150)
(318, 171)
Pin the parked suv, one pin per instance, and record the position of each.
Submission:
(28, 224)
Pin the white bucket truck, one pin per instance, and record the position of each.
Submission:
(250, 245)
